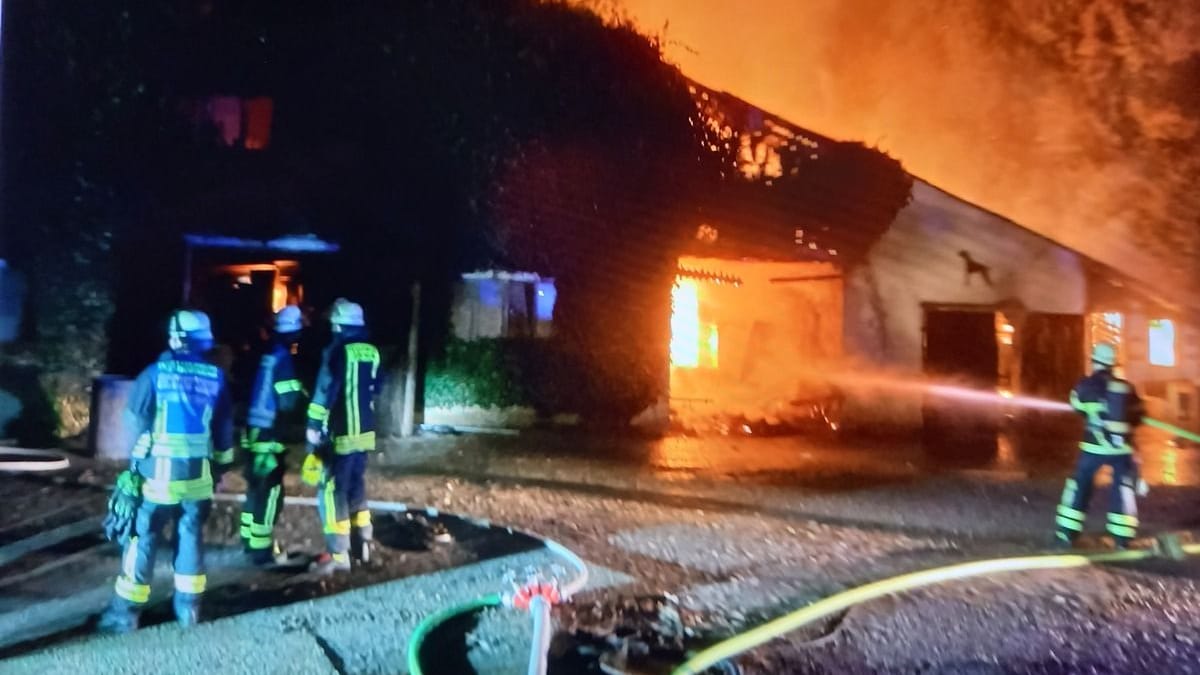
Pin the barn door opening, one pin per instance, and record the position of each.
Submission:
(961, 347)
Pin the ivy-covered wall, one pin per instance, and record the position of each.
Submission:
(503, 373)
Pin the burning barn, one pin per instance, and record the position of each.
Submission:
(1158, 342)
(820, 282)
(722, 302)
(955, 293)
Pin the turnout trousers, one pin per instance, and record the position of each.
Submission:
(342, 502)
(264, 499)
(132, 589)
(1122, 503)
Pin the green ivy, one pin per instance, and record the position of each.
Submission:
(486, 373)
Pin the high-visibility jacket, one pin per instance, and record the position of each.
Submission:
(1112, 410)
(276, 391)
(180, 415)
(343, 399)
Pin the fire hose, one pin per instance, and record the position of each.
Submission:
(1171, 429)
(536, 597)
(440, 617)
(22, 460)
(833, 604)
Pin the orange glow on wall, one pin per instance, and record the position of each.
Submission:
(284, 289)
(279, 296)
(710, 346)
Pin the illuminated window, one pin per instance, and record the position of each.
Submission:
(236, 122)
(257, 113)
(1162, 342)
(500, 304)
(1108, 327)
(693, 344)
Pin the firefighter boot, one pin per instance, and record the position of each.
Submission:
(119, 618)
(328, 564)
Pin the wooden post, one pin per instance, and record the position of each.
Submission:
(408, 415)
(187, 274)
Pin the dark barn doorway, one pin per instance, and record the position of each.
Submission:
(241, 283)
(1052, 361)
(961, 348)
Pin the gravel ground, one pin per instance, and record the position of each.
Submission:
(738, 551)
(1089, 621)
(735, 549)
(743, 569)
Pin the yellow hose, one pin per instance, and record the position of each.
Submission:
(833, 604)
(1171, 429)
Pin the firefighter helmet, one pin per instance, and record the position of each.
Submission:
(288, 320)
(1104, 354)
(190, 325)
(346, 313)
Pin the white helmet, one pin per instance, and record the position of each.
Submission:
(288, 320)
(346, 313)
(190, 324)
(1104, 354)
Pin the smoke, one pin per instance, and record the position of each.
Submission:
(1077, 118)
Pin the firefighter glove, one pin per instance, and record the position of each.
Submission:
(313, 437)
(249, 438)
(264, 463)
(122, 507)
(311, 472)
(1143, 488)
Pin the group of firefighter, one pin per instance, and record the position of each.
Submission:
(180, 415)
(180, 420)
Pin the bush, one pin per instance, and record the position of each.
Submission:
(486, 373)
(37, 423)
(549, 375)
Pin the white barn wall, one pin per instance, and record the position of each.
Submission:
(916, 261)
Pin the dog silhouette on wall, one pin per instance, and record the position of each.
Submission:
(971, 267)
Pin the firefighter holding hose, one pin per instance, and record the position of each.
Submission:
(1112, 411)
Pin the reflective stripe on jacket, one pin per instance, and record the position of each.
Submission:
(276, 390)
(343, 401)
(1112, 410)
(180, 414)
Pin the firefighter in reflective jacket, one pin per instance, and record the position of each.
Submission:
(341, 431)
(1112, 411)
(276, 395)
(179, 419)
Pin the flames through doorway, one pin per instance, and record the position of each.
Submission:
(747, 337)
